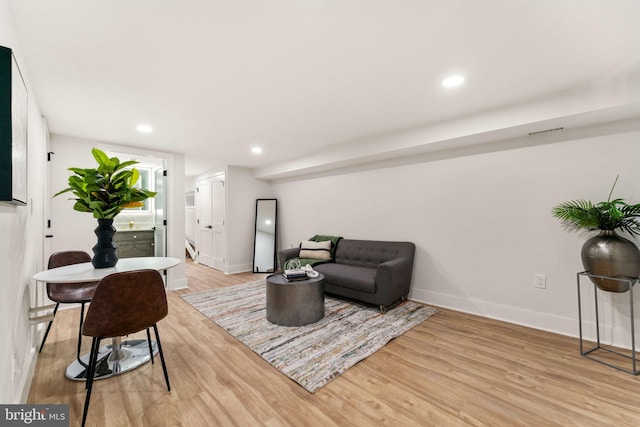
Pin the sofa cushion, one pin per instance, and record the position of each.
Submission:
(349, 276)
(333, 239)
(370, 253)
(315, 250)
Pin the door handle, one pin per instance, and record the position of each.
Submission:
(209, 226)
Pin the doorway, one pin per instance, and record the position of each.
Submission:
(210, 213)
(148, 220)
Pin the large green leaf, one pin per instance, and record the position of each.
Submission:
(134, 177)
(79, 206)
(66, 190)
(81, 172)
(125, 164)
(100, 156)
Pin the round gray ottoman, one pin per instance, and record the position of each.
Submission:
(295, 303)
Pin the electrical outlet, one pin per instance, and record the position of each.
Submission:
(540, 281)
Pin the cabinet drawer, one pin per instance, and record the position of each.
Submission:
(134, 243)
(133, 236)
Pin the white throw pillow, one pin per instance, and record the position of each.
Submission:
(316, 250)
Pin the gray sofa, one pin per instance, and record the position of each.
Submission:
(373, 272)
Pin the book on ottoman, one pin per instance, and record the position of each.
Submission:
(292, 275)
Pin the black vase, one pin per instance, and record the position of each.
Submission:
(609, 254)
(104, 252)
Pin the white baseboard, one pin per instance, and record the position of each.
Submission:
(240, 268)
(178, 284)
(567, 326)
(618, 335)
(24, 382)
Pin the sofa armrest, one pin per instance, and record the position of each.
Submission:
(393, 278)
(286, 254)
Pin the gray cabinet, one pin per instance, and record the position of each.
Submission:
(134, 243)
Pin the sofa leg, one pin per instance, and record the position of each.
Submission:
(383, 309)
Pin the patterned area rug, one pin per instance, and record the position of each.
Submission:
(310, 355)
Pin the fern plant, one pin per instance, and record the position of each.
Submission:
(106, 190)
(610, 215)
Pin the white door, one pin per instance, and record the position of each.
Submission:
(218, 223)
(41, 296)
(46, 206)
(210, 210)
(204, 211)
(159, 203)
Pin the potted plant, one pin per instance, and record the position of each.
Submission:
(105, 191)
(606, 254)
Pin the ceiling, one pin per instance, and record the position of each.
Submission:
(303, 78)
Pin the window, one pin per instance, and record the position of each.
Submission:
(144, 182)
(190, 199)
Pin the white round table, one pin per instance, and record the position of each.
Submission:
(85, 272)
(120, 356)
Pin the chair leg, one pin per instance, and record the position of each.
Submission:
(164, 365)
(93, 361)
(46, 333)
(80, 334)
(88, 367)
(150, 346)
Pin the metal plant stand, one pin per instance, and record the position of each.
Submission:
(631, 282)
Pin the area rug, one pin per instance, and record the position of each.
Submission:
(310, 355)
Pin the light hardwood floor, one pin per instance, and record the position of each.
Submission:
(453, 369)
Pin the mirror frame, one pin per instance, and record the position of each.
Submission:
(275, 236)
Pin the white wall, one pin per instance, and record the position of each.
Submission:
(191, 229)
(242, 191)
(21, 247)
(71, 230)
(481, 223)
(177, 276)
(74, 230)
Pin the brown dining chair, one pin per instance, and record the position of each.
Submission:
(69, 293)
(124, 303)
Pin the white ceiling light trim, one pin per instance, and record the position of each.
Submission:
(256, 150)
(453, 81)
(142, 128)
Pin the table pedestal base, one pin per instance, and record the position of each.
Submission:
(114, 359)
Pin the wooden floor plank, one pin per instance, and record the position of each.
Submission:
(454, 369)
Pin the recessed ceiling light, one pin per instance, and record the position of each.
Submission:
(256, 150)
(144, 128)
(453, 81)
